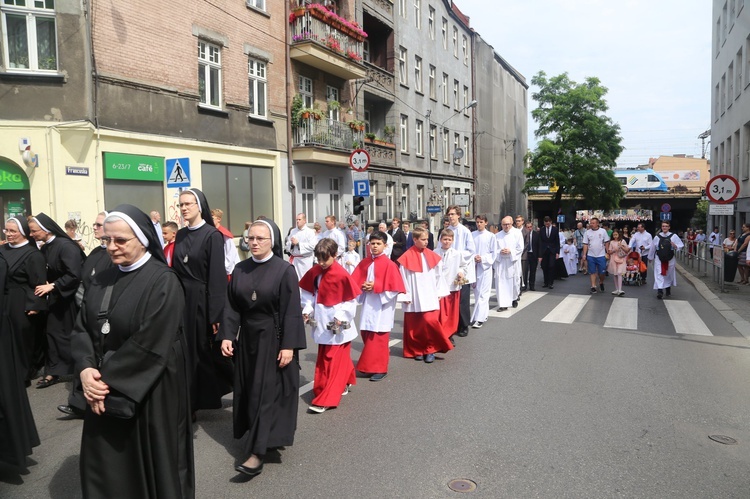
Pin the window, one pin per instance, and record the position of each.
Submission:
(431, 23)
(403, 77)
(402, 8)
(433, 142)
(747, 61)
(418, 138)
(335, 197)
(258, 81)
(209, 73)
(432, 82)
(455, 95)
(746, 165)
(418, 74)
(404, 133)
(418, 13)
(730, 85)
(736, 170)
(445, 89)
(420, 200)
(456, 146)
(366, 50)
(258, 4)
(723, 93)
(332, 94)
(445, 34)
(446, 148)
(404, 200)
(372, 201)
(466, 100)
(465, 49)
(305, 89)
(29, 35)
(244, 192)
(466, 151)
(389, 200)
(717, 108)
(446, 196)
(367, 121)
(455, 42)
(307, 190)
(738, 74)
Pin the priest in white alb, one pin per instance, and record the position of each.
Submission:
(510, 247)
(301, 244)
(486, 252)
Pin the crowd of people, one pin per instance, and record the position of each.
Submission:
(106, 321)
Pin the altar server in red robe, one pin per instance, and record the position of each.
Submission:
(329, 303)
(421, 270)
(381, 283)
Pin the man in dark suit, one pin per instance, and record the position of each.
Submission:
(549, 250)
(529, 256)
(399, 239)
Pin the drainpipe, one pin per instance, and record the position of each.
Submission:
(474, 123)
(289, 82)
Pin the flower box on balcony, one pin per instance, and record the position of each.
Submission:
(350, 28)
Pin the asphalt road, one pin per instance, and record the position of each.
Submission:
(524, 407)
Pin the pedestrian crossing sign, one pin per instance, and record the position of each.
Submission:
(178, 172)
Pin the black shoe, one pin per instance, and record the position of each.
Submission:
(515, 303)
(593, 291)
(669, 291)
(523, 288)
(601, 286)
(421, 357)
(551, 286)
(659, 295)
(70, 411)
(532, 289)
(453, 342)
(545, 285)
(463, 334)
(47, 381)
(502, 309)
(249, 471)
(429, 358)
(378, 376)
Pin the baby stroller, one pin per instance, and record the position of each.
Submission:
(638, 277)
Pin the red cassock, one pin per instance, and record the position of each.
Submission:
(376, 352)
(423, 331)
(168, 252)
(449, 306)
(334, 368)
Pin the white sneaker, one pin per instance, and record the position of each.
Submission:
(615, 292)
(346, 390)
(317, 409)
(477, 325)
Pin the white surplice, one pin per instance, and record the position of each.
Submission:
(454, 262)
(303, 251)
(506, 269)
(378, 309)
(485, 244)
(344, 312)
(669, 280)
(340, 239)
(464, 242)
(423, 289)
(570, 257)
(351, 259)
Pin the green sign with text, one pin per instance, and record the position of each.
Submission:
(122, 166)
(12, 177)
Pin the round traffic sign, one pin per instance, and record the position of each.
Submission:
(359, 160)
(722, 189)
(666, 208)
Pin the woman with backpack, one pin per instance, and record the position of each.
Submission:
(662, 253)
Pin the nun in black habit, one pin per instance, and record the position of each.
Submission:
(199, 261)
(26, 270)
(264, 331)
(128, 345)
(18, 433)
(64, 260)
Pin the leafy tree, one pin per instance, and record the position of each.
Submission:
(578, 143)
(700, 216)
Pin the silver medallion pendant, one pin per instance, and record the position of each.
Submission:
(185, 259)
(105, 327)
(254, 296)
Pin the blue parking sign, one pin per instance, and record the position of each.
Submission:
(361, 187)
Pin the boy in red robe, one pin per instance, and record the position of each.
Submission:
(421, 270)
(328, 295)
(381, 284)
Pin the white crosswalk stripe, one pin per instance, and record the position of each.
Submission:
(527, 298)
(685, 319)
(568, 309)
(623, 314)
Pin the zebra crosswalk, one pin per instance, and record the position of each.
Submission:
(621, 314)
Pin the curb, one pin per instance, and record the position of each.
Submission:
(741, 325)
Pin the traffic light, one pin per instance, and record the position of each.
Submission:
(359, 204)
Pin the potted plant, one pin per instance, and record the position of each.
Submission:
(388, 132)
(370, 137)
(357, 125)
(299, 10)
(333, 105)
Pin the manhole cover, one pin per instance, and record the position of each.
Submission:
(462, 485)
(723, 439)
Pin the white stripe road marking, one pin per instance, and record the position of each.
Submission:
(527, 298)
(685, 319)
(309, 386)
(568, 309)
(623, 314)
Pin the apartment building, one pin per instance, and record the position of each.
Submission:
(113, 102)
(730, 102)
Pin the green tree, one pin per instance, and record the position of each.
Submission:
(578, 144)
(700, 215)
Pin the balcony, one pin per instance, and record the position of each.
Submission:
(381, 154)
(324, 141)
(327, 42)
(381, 81)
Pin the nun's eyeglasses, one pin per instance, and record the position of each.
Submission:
(119, 241)
(185, 205)
(10, 232)
(252, 239)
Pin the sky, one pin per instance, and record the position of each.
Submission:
(653, 56)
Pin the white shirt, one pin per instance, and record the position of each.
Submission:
(454, 262)
(463, 241)
(378, 309)
(639, 239)
(337, 236)
(596, 240)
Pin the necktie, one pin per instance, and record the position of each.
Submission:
(548, 231)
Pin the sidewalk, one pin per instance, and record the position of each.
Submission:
(732, 303)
